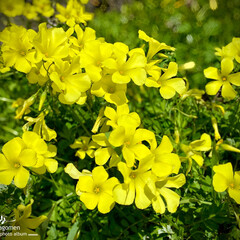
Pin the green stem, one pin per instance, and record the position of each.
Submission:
(80, 121)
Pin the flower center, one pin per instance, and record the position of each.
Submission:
(224, 78)
(111, 90)
(97, 190)
(84, 148)
(133, 175)
(231, 185)
(23, 53)
(17, 165)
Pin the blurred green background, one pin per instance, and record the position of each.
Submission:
(190, 26)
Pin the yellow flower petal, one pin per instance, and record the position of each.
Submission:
(117, 77)
(212, 73)
(198, 159)
(125, 171)
(228, 91)
(6, 176)
(28, 158)
(106, 203)
(176, 181)
(124, 193)
(223, 177)
(4, 163)
(90, 200)
(51, 165)
(12, 149)
(171, 198)
(226, 67)
(21, 177)
(229, 148)
(102, 155)
(167, 92)
(213, 87)
(33, 223)
(235, 194)
(99, 175)
(72, 171)
(234, 79)
(138, 75)
(85, 184)
(143, 193)
(165, 146)
(129, 156)
(158, 205)
(204, 144)
(170, 72)
(117, 136)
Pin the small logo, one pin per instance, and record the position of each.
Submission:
(2, 219)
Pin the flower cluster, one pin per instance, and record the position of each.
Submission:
(224, 79)
(65, 61)
(74, 13)
(20, 154)
(146, 168)
(72, 66)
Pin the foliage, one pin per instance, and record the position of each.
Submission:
(141, 153)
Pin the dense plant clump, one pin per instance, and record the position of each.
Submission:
(112, 142)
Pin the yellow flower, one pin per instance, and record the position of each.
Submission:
(113, 115)
(12, 8)
(40, 127)
(192, 150)
(25, 222)
(72, 171)
(92, 61)
(85, 146)
(43, 7)
(225, 179)
(127, 65)
(96, 190)
(17, 48)
(51, 43)
(130, 140)
(13, 160)
(74, 13)
(154, 45)
(23, 105)
(167, 83)
(196, 93)
(38, 74)
(227, 147)
(79, 42)
(222, 79)
(30, 12)
(236, 45)
(105, 152)
(66, 15)
(165, 162)
(228, 51)
(71, 84)
(43, 151)
(134, 186)
(160, 188)
(112, 92)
